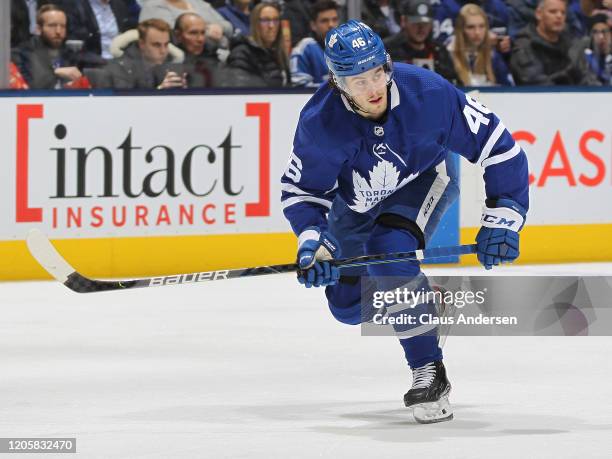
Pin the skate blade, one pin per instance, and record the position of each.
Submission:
(430, 412)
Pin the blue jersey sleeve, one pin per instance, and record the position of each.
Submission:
(309, 183)
(307, 64)
(479, 135)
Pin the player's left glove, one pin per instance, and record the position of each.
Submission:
(498, 239)
(315, 249)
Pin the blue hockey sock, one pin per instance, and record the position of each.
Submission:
(420, 350)
(423, 348)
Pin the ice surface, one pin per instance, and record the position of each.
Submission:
(259, 368)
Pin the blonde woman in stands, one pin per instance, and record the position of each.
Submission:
(476, 61)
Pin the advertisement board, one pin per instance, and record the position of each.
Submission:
(137, 185)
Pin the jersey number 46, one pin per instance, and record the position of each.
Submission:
(474, 114)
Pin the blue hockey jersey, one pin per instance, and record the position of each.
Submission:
(308, 67)
(337, 152)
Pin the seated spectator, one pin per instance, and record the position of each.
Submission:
(476, 61)
(170, 10)
(203, 68)
(598, 49)
(414, 44)
(497, 16)
(381, 16)
(541, 53)
(146, 64)
(521, 13)
(237, 13)
(259, 60)
(44, 61)
(308, 67)
(297, 13)
(95, 23)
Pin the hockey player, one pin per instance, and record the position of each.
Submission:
(369, 173)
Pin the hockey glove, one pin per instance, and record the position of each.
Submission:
(498, 239)
(315, 249)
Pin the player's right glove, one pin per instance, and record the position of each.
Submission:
(498, 239)
(315, 249)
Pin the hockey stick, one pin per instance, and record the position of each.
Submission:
(49, 258)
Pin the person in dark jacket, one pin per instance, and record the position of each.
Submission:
(96, 23)
(414, 44)
(382, 16)
(44, 61)
(237, 12)
(146, 64)
(203, 68)
(541, 53)
(260, 60)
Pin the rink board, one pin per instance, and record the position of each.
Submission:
(142, 185)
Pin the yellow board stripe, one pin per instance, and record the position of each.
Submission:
(555, 244)
(149, 256)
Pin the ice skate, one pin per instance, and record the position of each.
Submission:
(428, 396)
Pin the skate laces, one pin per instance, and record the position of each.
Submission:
(423, 376)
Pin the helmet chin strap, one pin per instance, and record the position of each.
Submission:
(354, 105)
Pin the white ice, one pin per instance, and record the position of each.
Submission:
(259, 368)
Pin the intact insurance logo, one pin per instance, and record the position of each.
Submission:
(134, 184)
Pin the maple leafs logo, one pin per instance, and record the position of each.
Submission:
(333, 40)
(383, 181)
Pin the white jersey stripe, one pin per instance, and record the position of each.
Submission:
(294, 200)
(492, 140)
(289, 188)
(515, 150)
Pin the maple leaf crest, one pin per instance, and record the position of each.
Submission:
(383, 181)
(333, 40)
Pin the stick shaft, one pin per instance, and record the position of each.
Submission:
(49, 258)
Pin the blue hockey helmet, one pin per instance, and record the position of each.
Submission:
(353, 48)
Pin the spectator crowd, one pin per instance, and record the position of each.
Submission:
(165, 44)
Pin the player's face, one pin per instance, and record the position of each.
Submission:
(369, 91)
(53, 29)
(193, 34)
(269, 25)
(551, 16)
(475, 30)
(326, 20)
(154, 46)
